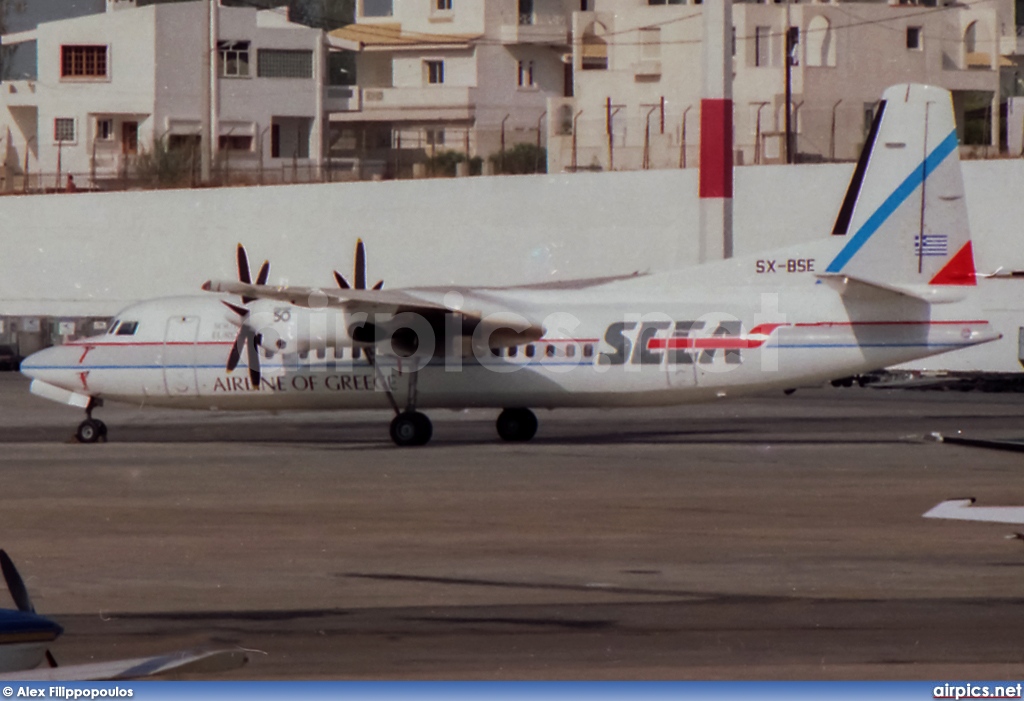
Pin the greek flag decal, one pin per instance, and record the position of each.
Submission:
(934, 245)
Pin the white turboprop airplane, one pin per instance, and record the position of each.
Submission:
(891, 285)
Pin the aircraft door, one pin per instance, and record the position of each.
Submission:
(179, 356)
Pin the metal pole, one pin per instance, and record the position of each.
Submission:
(789, 86)
(716, 134)
(647, 140)
(501, 157)
(608, 129)
(832, 137)
(28, 146)
(574, 143)
(682, 140)
(205, 150)
(540, 121)
(757, 143)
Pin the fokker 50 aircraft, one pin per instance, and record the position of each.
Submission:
(891, 285)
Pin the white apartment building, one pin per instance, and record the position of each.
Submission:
(453, 75)
(637, 68)
(109, 86)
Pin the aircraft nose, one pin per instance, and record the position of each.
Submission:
(44, 364)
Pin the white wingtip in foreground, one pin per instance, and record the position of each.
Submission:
(965, 510)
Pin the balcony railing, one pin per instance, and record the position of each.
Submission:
(533, 28)
(417, 98)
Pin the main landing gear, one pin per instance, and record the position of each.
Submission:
(409, 428)
(91, 430)
(517, 425)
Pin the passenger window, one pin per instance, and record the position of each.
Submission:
(530, 351)
(355, 354)
(113, 328)
(588, 350)
(304, 355)
(550, 351)
(127, 328)
(570, 351)
(513, 351)
(496, 352)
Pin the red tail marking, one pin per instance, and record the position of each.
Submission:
(959, 270)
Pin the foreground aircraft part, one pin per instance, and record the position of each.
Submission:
(965, 510)
(1013, 446)
(892, 284)
(181, 662)
(25, 637)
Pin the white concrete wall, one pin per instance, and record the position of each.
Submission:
(91, 254)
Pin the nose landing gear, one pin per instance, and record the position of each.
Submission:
(91, 430)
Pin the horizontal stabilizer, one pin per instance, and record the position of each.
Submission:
(932, 294)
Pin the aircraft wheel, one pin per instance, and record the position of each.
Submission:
(411, 428)
(517, 425)
(90, 431)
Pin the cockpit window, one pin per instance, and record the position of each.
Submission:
(127, 328)
(113, 328)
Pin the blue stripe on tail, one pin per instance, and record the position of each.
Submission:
(893, 202)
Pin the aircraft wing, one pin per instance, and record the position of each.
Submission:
(504, 328)
(370, 301)
(964, 510)
(180, 662)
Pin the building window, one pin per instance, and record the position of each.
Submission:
(104, 129)
(378, 8)
(435, 137)
(434, 72)
(234, 58)
(236, 143)
(279, 63)
(64, 129)
(650, 44)
(526, 12)
(443, 5)
(526, 74)
(761, 48)
(666, 2)
(914, 38)
(83, 61)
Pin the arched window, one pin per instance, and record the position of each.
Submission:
(971, 38)
(820, 41)
(976, 46)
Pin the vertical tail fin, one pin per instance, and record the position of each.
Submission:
(905, 211)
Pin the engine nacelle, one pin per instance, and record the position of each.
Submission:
(289, 329)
